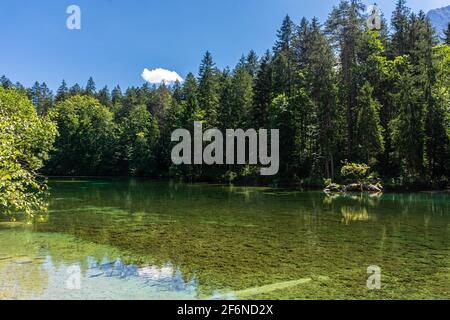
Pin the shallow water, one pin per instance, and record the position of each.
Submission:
(135, 239)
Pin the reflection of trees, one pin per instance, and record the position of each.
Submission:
(351, 214)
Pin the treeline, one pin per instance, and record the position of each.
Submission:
(335, 91)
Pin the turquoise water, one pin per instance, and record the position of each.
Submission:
(137, 239)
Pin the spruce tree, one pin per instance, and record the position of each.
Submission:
(42, 98)
(344, 26)
(400, 28)
(209, 89)
(116, 96)
(5, 82)
(283, 61)
(62, 93)
(370, 140)
(447, 35)
(252, 63)
(90, 87)
(105, 97)
(262, 97)
(318, 63)
(75, 90)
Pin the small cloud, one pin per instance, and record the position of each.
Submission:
(159, 75)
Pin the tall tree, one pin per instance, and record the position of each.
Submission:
(344, 25)
(447, 35)
(262, 97)
(62, 93)
(400, 28)
(75, 90)
(252, 63)
(317, 62)
(42, 98)
(409, 124)
(283, 61)
(370, 139)
(209, 89)
(25, 140)
(105, 97)
(90, 87)
(5, 82)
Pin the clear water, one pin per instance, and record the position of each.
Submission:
(134, 239)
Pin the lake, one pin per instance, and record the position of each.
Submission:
(139, 239)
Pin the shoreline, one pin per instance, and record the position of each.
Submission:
(387, 188)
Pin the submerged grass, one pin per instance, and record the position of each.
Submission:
(249, 244)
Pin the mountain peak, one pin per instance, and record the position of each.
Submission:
(440, 18)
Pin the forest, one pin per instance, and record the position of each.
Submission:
(337, 92)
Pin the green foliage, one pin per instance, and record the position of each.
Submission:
(447, 35)
(87, 135)
(140, 133)
(335, 92)
(25, 140)
(370, 139)
(355, 172)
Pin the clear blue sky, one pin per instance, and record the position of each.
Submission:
(120, 38)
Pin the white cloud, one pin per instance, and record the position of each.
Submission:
(160, 75)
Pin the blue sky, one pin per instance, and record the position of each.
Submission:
(119, 38)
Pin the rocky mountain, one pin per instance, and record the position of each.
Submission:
(440, 19)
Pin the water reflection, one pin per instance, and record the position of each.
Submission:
(101, 280)
(201, 241)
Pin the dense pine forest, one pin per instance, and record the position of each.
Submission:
(336, 91)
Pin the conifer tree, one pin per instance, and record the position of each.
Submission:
(400, 28)
(62, 93)
(447, 35)
(76, 90)
(209, 88)
(262, 97)
(90, 87)
(42, 98)
(105, 97)
(370, 139)
(344, 25)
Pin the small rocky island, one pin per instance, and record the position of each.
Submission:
(357, 178)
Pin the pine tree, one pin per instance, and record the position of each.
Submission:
(285, 36)
(105, 97)
(262, 97)
(75, 90)
(344, 25)
(62, 93)
(236, 98)
(5, 82)
(447, 35)
(191, 108)
(252, 63)
(283, 61)
(409, 125)
(42, 98)
(317, 61)
(400, 27)
(90, 87)
(116, 96)
(370, 140)
(209, 90)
